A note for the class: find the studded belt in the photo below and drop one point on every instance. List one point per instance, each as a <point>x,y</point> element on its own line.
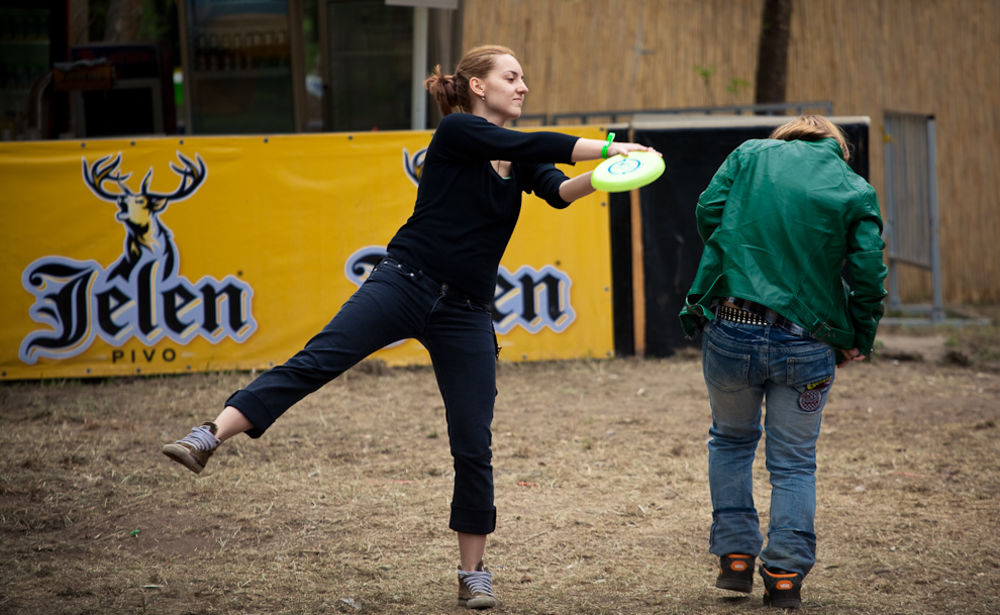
<point>750,313</point>
<point>741,316</point>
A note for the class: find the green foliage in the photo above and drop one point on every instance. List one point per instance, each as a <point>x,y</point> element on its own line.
<point>704,72</point>
<point>734,86</point>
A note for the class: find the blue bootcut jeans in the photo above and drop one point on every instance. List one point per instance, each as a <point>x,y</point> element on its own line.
<point>743,365</point>
<point>398,302</point>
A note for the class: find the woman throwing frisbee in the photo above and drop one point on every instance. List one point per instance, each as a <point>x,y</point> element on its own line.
<point>436,284</point>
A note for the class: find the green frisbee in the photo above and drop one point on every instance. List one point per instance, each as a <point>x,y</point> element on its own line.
<point>622,173</point>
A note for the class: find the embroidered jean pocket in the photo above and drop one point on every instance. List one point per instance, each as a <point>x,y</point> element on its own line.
<point>812,376</point>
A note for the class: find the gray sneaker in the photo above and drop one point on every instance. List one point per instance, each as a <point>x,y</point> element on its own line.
<point>193,450</point>
<point>475,588</point>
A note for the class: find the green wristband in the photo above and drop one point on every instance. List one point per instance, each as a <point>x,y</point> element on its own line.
<point>604,150</point>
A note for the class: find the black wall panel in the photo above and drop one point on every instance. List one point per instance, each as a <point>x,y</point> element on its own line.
<point>671,246</point>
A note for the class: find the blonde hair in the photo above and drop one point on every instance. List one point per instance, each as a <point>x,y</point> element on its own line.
<point>452,91</point>
<point>812,128</point>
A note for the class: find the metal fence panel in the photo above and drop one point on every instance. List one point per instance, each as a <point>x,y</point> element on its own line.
<point>911,201</point>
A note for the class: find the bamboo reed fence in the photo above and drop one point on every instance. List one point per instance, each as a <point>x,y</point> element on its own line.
<point>938,57</point>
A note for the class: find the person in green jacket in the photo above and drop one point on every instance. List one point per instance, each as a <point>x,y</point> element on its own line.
<point>789,287</point>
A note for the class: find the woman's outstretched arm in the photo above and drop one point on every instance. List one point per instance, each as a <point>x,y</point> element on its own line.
<point>591,149</point>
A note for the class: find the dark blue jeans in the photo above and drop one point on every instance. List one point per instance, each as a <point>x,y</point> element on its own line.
<point>397,302</point>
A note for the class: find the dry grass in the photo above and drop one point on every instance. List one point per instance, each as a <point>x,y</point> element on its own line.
<point>601,490</point>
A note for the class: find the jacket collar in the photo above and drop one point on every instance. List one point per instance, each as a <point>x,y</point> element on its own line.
<point>831,144</point>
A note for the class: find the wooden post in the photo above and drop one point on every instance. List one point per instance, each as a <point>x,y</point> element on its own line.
<point>638,278</point>
<point>638,272</point>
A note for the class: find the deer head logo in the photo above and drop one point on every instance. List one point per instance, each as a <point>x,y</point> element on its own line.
<point>145,236</point>
<point>413,165</point>
<point>141,296</point>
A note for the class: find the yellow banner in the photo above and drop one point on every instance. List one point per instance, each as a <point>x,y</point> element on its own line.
<point>166,255</point>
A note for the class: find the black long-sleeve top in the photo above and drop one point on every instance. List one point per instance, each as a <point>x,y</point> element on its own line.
<point>465,213</point>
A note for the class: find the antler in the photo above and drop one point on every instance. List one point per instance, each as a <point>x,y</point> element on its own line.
<point>192,174</point>
<point>101,171</point>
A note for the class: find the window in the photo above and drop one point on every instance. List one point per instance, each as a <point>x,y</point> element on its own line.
<point>370,50</point>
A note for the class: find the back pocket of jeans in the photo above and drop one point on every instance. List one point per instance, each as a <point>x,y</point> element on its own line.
<point>811,371</point>
<point>725,369</point>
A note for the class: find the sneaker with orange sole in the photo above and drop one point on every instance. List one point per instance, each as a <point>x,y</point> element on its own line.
<point>736,573</point>
<point>782,589</point>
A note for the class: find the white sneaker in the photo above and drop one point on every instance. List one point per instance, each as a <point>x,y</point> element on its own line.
<point>193,450</point>
<point>475,588</point>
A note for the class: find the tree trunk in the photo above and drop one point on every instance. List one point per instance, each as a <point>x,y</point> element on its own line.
<point>772,52</point>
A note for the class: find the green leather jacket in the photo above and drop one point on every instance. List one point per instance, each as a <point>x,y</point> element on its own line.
<point>780,220</point>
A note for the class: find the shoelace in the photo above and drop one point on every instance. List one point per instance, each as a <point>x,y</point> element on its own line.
<point>201,438</point>
<point>478,581</point>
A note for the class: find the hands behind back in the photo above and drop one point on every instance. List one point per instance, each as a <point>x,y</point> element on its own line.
<point>846,356</point>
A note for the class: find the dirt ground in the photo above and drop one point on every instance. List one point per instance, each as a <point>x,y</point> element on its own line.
<point>600,470</point>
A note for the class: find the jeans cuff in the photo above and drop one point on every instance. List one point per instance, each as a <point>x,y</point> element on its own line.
<point>473,521</point>
<point>253,409</point>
